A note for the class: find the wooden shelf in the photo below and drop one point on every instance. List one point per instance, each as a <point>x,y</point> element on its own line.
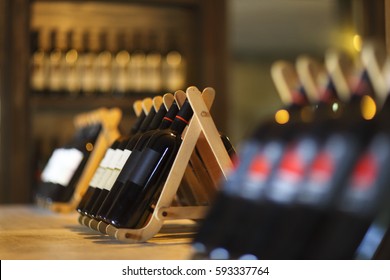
<point>32,233</point>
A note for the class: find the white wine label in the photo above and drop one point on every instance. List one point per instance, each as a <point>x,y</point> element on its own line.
<point>104,178</point>
<point>107,158</point>
<point>115,159</point>
<point>97,177</point>
<point>70,161</point>
<point>122,161</point>
<point>113,176</point>
<point>52,168</point>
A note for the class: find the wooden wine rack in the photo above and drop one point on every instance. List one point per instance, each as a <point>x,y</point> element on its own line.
<point>201,134</point>
<point>109,120</point>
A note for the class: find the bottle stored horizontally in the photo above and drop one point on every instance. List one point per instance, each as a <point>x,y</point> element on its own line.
<point>130,165</point>
<point>125,159</point>
<point>65,166</point>
<point>120,156</point>
<point>134,204</point>
<point>242,193</point>
<point>101,172</point>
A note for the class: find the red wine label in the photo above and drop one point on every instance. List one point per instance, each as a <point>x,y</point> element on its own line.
<point>329,165</point>
<point>366,181</point>
<point>365,172</point>
<point>234,183</point>
<point>260,170</point>
<point>323,167</point>
<point>292,170</point>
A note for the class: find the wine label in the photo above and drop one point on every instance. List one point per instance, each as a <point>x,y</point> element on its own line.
<point>106,178</point>
<point>330,166</point>
<point>122,161</point>
<point>150,162</point>
<point>107,158</point>
<point>52,168</point>
<point>233,184</point>
<point>129,166</point>
<point>369,178</point>
<point>284,186</point>
<point>69,165</point>
<point>97,177</point>
<point>260,170</point>
<point>110,180</point>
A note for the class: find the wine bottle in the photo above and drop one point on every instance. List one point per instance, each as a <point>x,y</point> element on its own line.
<point>131,163</point>
<point>129,149</point>
<point>87,65</point>
<point>108,167</point>
<point>120,66</point>
<point>121,151</point>
<point>97,177</point>
<point>174,65</point>
<point>153,61</point>
<point>100,173</point>
<point>103,66</point>
<point>134,204</point>
<point>70,64</point>
<point>137,77</point>
<point>39,64</point>
<point>55,82</point>
<point>260,154</point>
<point>65,166</point>
<point>361,199</point>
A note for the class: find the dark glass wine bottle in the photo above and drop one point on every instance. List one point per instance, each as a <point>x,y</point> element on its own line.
<point>122,150</point>
<point>110,196</point>
<point>134,204</point>
<point>129,149</point>
<point>97,177</point>
<point>244,187</point>
<point>357,132</point>
<point>101,172</point>
<point>62,172</point>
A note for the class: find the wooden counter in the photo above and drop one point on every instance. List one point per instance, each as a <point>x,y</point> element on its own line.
<point>28,232</point>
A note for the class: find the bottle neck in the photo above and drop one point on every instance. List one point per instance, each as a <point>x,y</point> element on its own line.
<point>169,117</point>
<point>138,123</point>
<point>148,120</point>
<point>182,118</point>
<point>162,111</point>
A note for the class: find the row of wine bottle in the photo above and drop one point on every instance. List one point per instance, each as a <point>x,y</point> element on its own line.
<point>313,182</point>
<point>72,63</point>
<point>130,177</point>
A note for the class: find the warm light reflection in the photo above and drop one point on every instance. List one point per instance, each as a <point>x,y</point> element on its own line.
<point>282,116</point>
<point>122,58</point>
<point>71,56</point>
<point>368,107</point>
<point>335,107</point>
<point>357,42</point>
<point>89,147</point>
<point>174,58</point>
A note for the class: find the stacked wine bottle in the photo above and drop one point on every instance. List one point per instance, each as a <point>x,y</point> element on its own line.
<point>312,181</point>
<point>128,183</point>
<point>69,166</point>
